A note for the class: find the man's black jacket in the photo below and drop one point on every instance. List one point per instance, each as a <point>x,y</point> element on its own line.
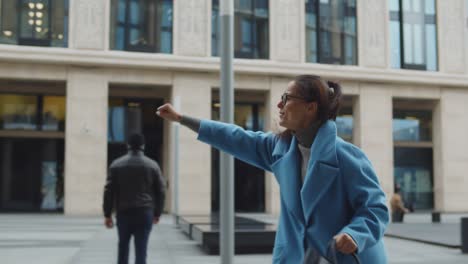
<point>134,180</point>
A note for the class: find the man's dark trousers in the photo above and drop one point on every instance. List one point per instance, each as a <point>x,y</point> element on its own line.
<point>137,222</point>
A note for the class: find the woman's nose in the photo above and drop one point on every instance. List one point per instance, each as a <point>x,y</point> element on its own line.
<point>280,104</point>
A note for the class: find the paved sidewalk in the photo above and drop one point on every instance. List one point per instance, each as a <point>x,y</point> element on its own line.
<point>58,239</point>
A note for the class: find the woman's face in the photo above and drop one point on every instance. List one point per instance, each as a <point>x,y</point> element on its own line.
<point>294,111</point>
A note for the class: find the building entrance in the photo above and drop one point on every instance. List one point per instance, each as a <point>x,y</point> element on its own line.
<point>32,136</point>
<point>31,172</point>
<point>249,189</point>
<point>134,115</point>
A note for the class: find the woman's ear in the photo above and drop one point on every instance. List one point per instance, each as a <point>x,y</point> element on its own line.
<point>312,107</point>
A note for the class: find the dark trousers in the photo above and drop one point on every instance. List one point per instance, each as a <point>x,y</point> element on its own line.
<point>136,222</point>
<point>397,216</point>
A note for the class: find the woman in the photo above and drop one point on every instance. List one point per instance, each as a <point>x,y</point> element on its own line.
<point>329,190</point>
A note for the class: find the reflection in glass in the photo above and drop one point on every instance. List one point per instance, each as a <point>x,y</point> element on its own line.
<point>18,112</point>
<point>251,29</point>
<point>49,185</point>
<point>344,124</point>
<point>53,113</point>
<point>412,23</point>
<point>249,180</point>
<point>34,23</point>
<point>415,126</point>
<point>142,25</point>
<point>413,172</point>
<point>37,186</point>
<point>331,31</point>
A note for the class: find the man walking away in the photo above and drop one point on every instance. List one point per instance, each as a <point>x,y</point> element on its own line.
<point>136,188</point>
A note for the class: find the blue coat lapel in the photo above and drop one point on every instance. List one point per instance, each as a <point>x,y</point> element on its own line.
<point>288,170</point>
<point>322,169</point>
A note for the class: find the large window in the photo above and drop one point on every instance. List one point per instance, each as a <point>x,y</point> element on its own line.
<point>413,151</point>
<point>345,120</point>
<point>331,31</point>
<point>34,22</point>
<point>249,113</point>
<point>412,126</point>
<point>413,34</point>
<point>251,34</point>
<point>32,112</point>
<point>128,115</point>
<point>142,25</point>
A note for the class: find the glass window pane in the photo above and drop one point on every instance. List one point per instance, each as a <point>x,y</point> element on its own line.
<point>413,172</point>
<point>8,22</point>
<point>246,29</point>
<point>418,44</point>
<point>59,24</point>
<point>135,12</point>
<point>35,19</point>
<point>394,5</point>
<point>417,6</point>
<point>407,5</point>
<point>408,43</point>
<point>121,11</point>
<point>261,8</point>
<point>166,42</point>
<point>53,113</point>
<point>215,28</point>
<point>18,112</point>
<point>116,121</point>
<point>251,33</point>
<point>344,124</point>
<point>336,25</point>
<point>429,6</point>
<point>412,125</point>
<point>419,35</point>
<point>165,30</point>
<point>142,25</point>
<point>395,44</point>
<point>431,48</point>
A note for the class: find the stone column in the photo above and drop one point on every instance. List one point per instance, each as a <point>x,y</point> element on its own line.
<point>452,47</point>
<point>194,92</point>
<point>192,27</point>
<point>89,24</point>
<point>372,20</point>
<point>287,30</point>
<point>450,151</point>
<point>373,131</point>
<point>85,141</point>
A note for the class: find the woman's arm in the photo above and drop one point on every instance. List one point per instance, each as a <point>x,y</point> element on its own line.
<point>366,197</point>
<point>255,148</point>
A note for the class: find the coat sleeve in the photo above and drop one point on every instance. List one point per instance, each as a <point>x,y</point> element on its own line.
<point>159,189</point>
<point>108,201</point>
<point>366,197</point>
<point>255,148</point>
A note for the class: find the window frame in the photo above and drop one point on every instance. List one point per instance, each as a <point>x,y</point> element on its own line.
<point>316,29</point>
<point>256,50</point>
<point>31,39</point>
<point>127,26</point>
<point>400,19</point>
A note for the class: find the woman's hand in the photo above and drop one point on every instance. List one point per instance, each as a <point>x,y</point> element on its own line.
<point>168,112</point>
<point>345,243</point>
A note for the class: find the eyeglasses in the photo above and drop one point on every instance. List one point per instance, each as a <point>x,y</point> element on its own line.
<point>285,97</point>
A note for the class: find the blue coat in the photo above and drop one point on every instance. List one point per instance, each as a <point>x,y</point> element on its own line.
<point>340,194</point>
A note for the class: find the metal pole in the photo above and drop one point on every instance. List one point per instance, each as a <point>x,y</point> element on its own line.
<point>226,173</point>
<point>175,183</point>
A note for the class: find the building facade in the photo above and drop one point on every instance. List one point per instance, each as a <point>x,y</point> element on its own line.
<point>77,76</point>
